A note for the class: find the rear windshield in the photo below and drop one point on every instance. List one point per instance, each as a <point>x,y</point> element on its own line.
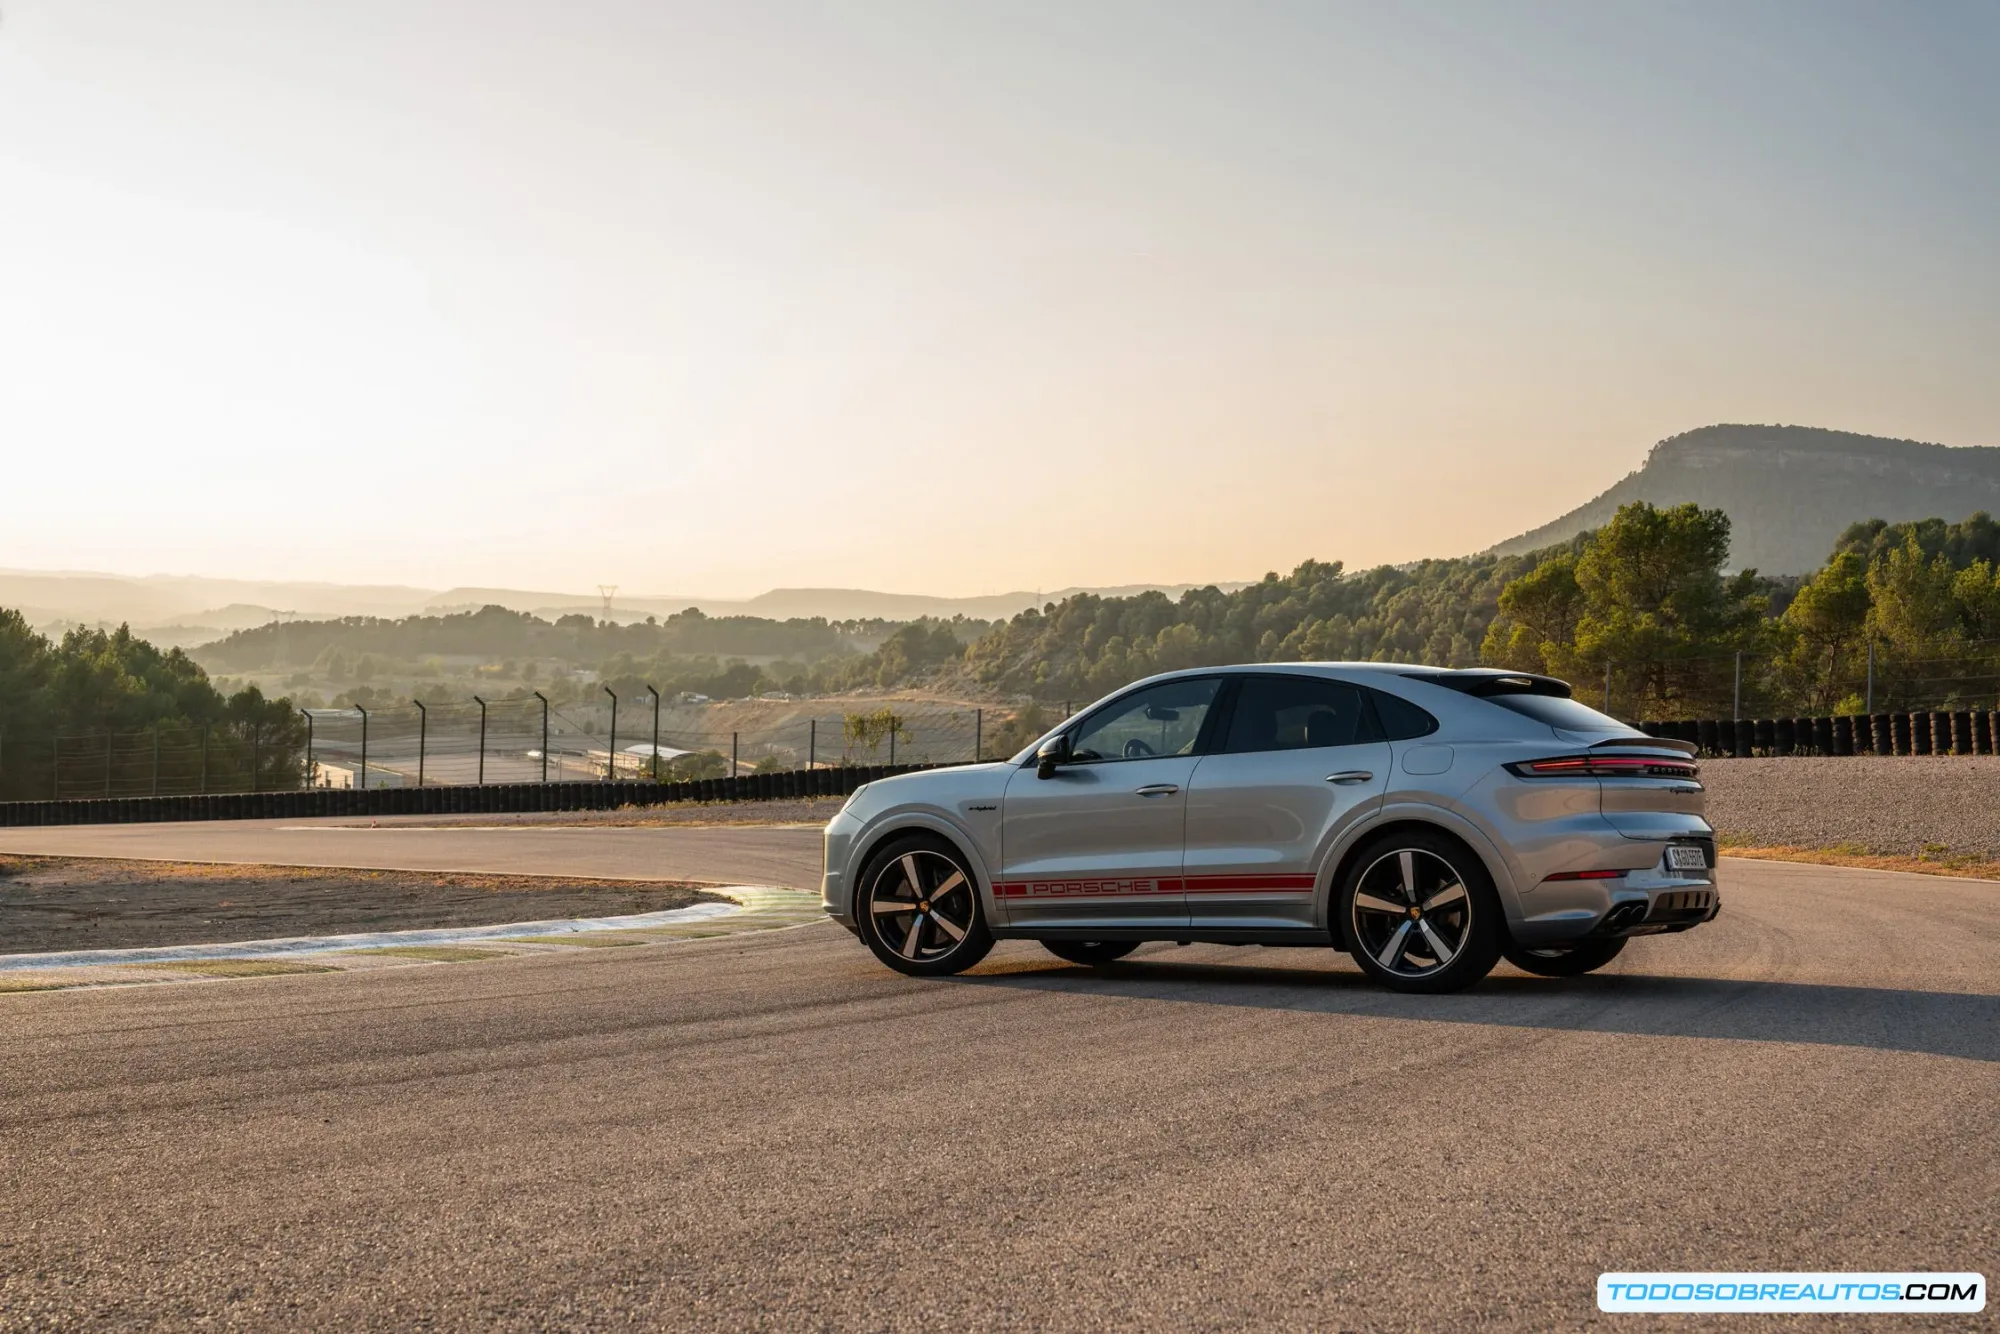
<point>1557,711</point>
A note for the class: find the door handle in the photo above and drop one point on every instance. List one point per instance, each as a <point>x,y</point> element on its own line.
<point>1158,790</point>
<point>1346,776</point>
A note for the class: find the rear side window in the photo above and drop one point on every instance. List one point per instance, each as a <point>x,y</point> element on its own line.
<point>1401,719</point>
<point>1557,711</point>
<point>1297,713</point>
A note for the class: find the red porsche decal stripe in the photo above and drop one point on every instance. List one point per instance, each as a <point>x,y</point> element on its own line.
<point>1113,887</point>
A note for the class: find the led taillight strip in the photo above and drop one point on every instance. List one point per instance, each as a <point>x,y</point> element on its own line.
<point>1603,766</point>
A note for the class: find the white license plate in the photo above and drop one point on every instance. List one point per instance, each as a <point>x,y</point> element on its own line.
<point>1683,858</point>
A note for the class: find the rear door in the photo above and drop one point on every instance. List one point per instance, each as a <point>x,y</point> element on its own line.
<point>1098,843</point>
<point>1301,760</point>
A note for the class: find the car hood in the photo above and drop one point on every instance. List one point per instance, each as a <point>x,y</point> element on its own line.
<point>948,789</point>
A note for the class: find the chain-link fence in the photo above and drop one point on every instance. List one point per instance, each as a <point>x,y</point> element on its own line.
<point>171,759</point>
<point>1856,678</point>
<point>527,741</point>
<point>505,741</point>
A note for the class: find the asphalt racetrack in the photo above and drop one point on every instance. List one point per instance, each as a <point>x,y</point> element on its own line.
<point>772,1131</point>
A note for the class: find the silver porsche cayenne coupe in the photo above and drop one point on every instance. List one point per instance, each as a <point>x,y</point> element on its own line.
<point>1429,821</point>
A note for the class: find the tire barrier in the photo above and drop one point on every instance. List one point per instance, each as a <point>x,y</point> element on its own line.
<point>1959,732</point>
<point>493,799</point>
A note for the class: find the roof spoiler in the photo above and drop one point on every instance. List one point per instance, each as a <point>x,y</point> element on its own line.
<point>1486,682</point>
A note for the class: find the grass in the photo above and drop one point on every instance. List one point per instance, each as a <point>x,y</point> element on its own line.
<point>25,984</point>
<point>239,967</point>
<point>1930,859</point>
<point>434,953</point>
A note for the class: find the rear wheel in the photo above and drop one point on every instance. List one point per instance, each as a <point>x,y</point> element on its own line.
<point>920,910</point>
<point>1420,913</point>
<point>1563,960</point>
<point>1090,953</point>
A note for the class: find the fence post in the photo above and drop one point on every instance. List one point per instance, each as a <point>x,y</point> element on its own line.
<point>978,728</point>
<point>310,765</point>
<point>892,737</point>
<point>812,743</point>
<point>611,743</point>
<point>482,737</point>
<point>204,759</point>
<point>1736,709</point>
<point>732,754</point>
<point>1607,686</point>
<point>55,767</point>
<point>107,764</point>
<point>656,730</point>
<point>545,732</point>
<point>156,757</point>
<point>364,746</point>
<point>423,737</point>
<point>1870,710</point>
<point>256,757</point>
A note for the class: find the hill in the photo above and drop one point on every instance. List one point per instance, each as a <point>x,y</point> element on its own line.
<point>1791,491</point>
<point>190,610</point>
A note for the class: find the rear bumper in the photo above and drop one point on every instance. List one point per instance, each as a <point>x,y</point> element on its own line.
<point>1654,901</point>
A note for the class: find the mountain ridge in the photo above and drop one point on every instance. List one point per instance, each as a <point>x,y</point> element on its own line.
<point>1790,490</point>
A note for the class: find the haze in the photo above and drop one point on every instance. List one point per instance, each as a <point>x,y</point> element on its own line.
<point>951,298</point>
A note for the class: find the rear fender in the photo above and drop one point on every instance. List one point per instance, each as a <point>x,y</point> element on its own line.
<point>1394,812</point>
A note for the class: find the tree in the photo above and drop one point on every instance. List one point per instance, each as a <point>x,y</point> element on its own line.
<point>1537,618</point>
<point>1658,608</point>
<point>96,683</point>
<point>1823,632</point>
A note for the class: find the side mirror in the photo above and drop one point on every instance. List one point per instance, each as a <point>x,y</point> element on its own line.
<point>1053,752</point>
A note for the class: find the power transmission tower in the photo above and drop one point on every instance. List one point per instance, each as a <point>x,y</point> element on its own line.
<point>608,591</point>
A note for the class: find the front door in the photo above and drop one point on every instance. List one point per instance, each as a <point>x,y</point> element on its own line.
<point>1098,843</point>
<point>1302,761</point>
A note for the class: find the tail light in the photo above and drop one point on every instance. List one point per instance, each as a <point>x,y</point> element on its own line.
<point>1604,766</point>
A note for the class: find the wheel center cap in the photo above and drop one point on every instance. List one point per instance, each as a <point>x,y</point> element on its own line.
<point>1416,913</point>
<point>923,905</point>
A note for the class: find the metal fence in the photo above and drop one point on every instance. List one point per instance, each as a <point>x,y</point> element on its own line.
<point>532,741</point>
<point>165,760</point>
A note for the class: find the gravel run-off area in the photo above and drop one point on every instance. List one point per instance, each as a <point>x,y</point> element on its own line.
<point>1886,804</point>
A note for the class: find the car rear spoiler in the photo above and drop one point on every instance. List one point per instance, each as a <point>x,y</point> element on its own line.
<point>1639,740</point>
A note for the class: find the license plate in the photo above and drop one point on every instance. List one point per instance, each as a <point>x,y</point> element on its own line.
<point>1683,858</point>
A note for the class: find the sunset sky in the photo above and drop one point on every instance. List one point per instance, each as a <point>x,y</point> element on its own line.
<point>951,298</point>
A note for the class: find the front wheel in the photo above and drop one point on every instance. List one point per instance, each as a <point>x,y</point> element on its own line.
<point>1090,953</point>
<point>919,909</point>
<point>1563,960</point>
<point>1420,913</point>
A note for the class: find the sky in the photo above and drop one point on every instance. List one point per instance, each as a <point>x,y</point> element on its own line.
<point>951,299</point>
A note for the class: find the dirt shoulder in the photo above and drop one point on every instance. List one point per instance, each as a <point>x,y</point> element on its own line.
<point>79,903</point>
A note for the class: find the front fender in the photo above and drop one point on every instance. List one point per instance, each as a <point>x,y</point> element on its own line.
<point>872,834</point>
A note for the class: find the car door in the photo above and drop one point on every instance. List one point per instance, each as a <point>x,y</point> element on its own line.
<point>1301,759</point>
<point>1098,842</point>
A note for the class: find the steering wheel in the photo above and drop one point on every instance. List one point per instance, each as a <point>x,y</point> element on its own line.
<point>1136,749</point>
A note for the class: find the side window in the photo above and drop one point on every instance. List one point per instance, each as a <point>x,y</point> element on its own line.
<point>1165,719</point>
<point>1297,713</point>
<point>1401,719</point>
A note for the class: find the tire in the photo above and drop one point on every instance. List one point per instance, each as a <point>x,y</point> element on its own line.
<point>1563,960</point>
<point>942,930</point>
<point>1419,913</point>
<point>1090,953</point>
